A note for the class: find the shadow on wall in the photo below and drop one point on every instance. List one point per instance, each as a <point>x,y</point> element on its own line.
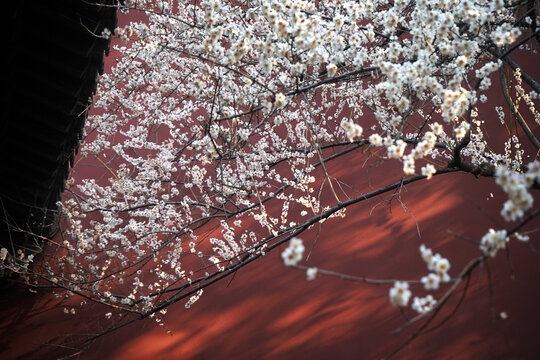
<point>269,311</point>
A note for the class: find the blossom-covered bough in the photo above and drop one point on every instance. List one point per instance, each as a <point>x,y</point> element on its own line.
<point>218,123</point>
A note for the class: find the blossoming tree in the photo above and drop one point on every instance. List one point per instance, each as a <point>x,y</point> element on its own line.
<point>217,124</point>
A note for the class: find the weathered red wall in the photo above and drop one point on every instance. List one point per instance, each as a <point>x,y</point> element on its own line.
<point>271,312</point>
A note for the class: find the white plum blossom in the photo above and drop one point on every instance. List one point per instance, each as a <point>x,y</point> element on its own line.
<point>435,263</point>
<point>516,186</point>
<point>408,165</point>
<point>376,140</point>
<point>522,237</point>
<point>426,254</point>
<point>431,281</point>
<point>293,253</point>
<point>442,265</point>
<point>423,305</point>
<point>437,128</point>
<point>290,258</point>
<point>352,130</point>
<point>3,254</point>
<point>493,241</point>
<point>400,294</point>
<point>297,245</point>
<point>428,171</point>
<point>396,150</point>
<point>311,273</point>
<point>106,33</point>
<point>462,130</point>
<point>280,100</point>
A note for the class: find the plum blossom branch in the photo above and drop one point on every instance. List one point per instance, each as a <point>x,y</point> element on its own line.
<point>221,129</point>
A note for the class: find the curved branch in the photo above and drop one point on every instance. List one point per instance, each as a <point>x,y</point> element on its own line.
<point>524,75</point>
<point>515,112</point>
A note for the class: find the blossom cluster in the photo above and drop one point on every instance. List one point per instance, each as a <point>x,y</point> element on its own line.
<point>516,186</point>
<point>215,126</point>
<point>424,305</point>
<point>493,241</point>
<point>15,263</point>
<point>351,130</point>
<point>437,264</point>
<point>400,292</point>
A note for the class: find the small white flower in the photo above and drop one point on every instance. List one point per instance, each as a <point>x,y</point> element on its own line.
<point>244,134</point>
<point>332,69</point>
<point>432,264</point>
<point>444,277</point>
<point>521,237</point>
<point>460,132</point>
<point>311,273</point>
<point>290,258</point>
<point>352,130</point>
<point>423,305</point>
<point>297,245</point>
<point>534,169</point>
<point>443,265</point>
<point>293,253</point>
<point>3,254</point>
<point>431,281</point>
<point>375,140</point>
<point>408,165</point>
<point>428,171</point>
<point>280,100</point>
<point>510,211</point>
<point>493,241</point>
<point>426,253</point>
<point>400,294</point>
<point>106,33</point>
